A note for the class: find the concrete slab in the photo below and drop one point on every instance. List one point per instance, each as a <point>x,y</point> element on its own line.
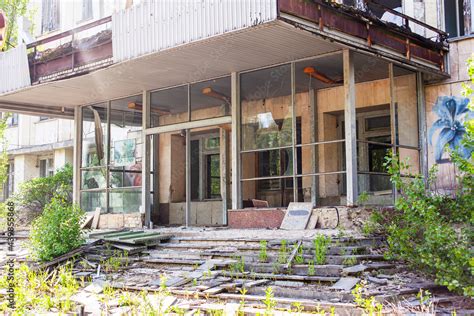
<point>297,216</point>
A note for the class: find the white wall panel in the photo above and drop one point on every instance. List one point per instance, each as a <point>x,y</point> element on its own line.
<point>14,70</point>
<point>156,25</point>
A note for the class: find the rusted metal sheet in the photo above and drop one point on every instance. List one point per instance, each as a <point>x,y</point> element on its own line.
<point>374,31</point>
<point>14,69</point>
<point>73,58</point>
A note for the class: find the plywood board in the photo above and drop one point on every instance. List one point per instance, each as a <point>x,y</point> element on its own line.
<point>297,216</point>
<point>95,220</point>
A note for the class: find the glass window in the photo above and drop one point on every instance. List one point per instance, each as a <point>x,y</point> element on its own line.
<point>169,106</point>
<point>266,108</point>
<point>46,167</point>
<point>50,16</point>
<point>94,130</point>
<point>267,131</point>
<point>205,166</point>
<point>125,143</point>
<point>111,176</point>
<point>210,99</point>
<point>90,200</point>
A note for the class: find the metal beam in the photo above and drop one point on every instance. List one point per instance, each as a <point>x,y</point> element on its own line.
<point>423,138</point>
<point>189,125</point>
<point>293,132</point>
<point>188,176</point>
<point>146,158</point>
<point>37,110</point>
<point>350,127</point>
<point>76,180</point>
<point>235,152</point>
<point>315,149</point>
<point>393,120</point>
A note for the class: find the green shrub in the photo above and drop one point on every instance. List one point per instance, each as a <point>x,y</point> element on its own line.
<point>57,230</point>
<point>36,193</point>
<point>321,245</point>
<point>432,232</point>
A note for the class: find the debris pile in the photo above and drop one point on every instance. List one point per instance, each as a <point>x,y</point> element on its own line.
<point>179,272</point>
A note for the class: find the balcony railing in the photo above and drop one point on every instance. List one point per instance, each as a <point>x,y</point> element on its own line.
<point>72,53</point>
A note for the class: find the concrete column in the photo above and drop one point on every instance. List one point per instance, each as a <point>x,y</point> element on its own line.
<point>350,128</point>
<point>25,169</point>
<point>235,152</point>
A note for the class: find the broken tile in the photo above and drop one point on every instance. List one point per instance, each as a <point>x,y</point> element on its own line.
<point>345,284</point>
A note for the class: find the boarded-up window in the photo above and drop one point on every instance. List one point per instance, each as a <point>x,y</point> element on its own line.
<point>50,16</point>
<point>86,10</point>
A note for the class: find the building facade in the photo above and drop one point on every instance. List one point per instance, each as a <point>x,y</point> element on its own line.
<point>37,147</point>
<point>188,111</point>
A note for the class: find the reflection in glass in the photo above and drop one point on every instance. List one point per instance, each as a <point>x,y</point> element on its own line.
<point>210,99</point>
<point>124,201</point>
<point>279,194</point>
<point>91,200</point>
<point>169,106</point>
<point>94,129</point>
<point>266,108</point>
<point>93,179</point>
<point>125,142</point>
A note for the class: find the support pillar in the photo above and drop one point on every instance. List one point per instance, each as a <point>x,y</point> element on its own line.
<point>76,180</point>
<point>350,128</point>
<point>235,152</point>
<point>422,132</point>
<point>146,158</point>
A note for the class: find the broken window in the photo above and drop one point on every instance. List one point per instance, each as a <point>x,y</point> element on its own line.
<point>453,17</point>
<point>50,16</point>
<point>111,163</point>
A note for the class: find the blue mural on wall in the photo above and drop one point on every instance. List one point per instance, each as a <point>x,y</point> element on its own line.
<point>452,113</point>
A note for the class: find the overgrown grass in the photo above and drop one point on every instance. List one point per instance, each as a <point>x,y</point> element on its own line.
<point>41,291</point>
<point>320,244</point>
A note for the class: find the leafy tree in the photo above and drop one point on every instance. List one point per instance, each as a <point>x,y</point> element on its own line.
<point>36,193</point>
<point>13,9</point>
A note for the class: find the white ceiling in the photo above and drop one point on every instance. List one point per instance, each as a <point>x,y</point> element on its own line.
<point>254,47</point>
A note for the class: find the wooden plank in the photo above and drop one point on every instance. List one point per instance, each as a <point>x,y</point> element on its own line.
<point>95,220</point>
<point>88,220</point>
<point>64,257</point>
<point>292,255</point>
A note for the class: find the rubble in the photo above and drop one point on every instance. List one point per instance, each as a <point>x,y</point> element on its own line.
<point>205,270</point>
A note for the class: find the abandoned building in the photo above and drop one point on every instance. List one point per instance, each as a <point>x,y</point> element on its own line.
<point>215,113</point>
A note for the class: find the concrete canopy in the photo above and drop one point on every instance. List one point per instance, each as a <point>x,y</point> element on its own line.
<point>259,46</point>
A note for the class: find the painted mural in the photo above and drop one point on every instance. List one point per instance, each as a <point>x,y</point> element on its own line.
<point>449,129</point>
